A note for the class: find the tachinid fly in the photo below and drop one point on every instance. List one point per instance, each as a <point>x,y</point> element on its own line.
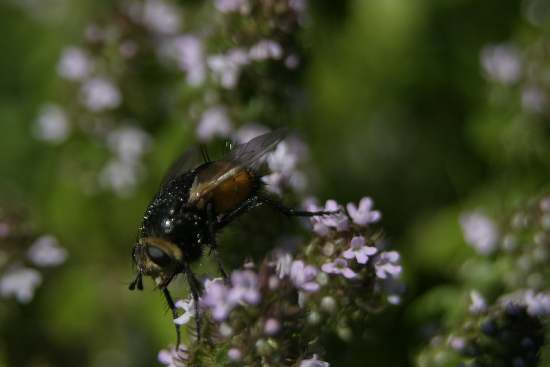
<point>194,202</point>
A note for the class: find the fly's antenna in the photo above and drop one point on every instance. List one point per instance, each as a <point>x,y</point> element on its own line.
<point>137,283</point>
<point>204,153</point>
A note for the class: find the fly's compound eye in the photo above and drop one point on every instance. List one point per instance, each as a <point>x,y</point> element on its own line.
<point>158,256</point>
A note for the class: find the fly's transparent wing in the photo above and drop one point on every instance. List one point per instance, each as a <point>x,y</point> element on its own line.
<point>234,164</point>
<point>247,154</point>
<point>188,160</point>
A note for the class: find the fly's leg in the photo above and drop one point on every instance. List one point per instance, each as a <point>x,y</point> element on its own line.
<point>172,306</point>
<point>212,240</point>
<point>249,203</point>
<point>195,287</point>
<point>291,212</point>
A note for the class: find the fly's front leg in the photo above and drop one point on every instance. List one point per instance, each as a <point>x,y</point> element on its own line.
<point>249,203</point>
<point>291,212</point>
<point>172,306</point>
<point>195,287</point>
<point>212,240</point>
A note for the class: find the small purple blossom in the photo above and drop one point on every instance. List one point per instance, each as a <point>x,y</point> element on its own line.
<point>20,282</point>
<point>322,224</point>
<point>52,124</point>
<point>314,362</point>
<point>387,265</point>
<point>363,214</point>
<point>479,231</point>
<point>359,251</point>
<point>303,276</point>
<point>272,326</point>
<point>226,68</point>
<point>161,17</point>
<point>74,64</point>
<point>129,143</point>
<point>266,49</point>
<point>478,304</point>
<point>245,287</point>
<point>339,266</point>
<point>283,264</point>
<point>99,94</point>
<point>215,298</point>
<point>188,51</point>
<point>172,358</point>
<point>188,308</point>
<point>46,251</point>
<point>502,63</point>
<point>214,122</point>
<point>227,6</point>
<point>538,304</point>
<point>248,132</point>
<point>234,354</point>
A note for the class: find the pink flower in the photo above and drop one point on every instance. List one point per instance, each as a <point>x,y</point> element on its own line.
<point>303,276</point>
<point>387,265</point>
<point>172,357</point>
<point>339,266</point>
<point>359,251</point>
<point>324,223</point>
<point>363,214</point>
<point>215,298</point>
<point>245,287</point>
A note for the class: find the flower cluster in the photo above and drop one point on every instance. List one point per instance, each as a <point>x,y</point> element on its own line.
<point>508,329</point>
<point>155,40</point>
<point>503,335</point>
<point>263,312</point>
<point>22,254</point>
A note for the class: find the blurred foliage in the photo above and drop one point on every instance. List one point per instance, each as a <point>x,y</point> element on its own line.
<point>396,105</point>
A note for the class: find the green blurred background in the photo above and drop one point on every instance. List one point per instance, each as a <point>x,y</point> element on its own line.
<point>398,107</point>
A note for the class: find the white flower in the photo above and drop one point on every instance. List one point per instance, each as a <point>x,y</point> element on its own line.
<point>314,362</point>
<point>129,142</point>
<point>51,124</point>
<point>303,276</point>
<point>120,176</point>
<point>227,68</point>
<point>74,64</point>
<point>188,52</point>
<point>478,304</point>
<point>20,282</point>
<point>363,214</point>
<point>538,304</point>
<point>188,308</point>
<point>283,265</point>
<point>479,231</point>
<point>359,251</point>
<point>226,6</point>
<point>265,49</point>
<point>533,99</point>
<point>502,63</point>
<point>249,131</point>
<point>161,17</point>
<point>387,265</point>
<point>100,94</point>
<point>45,251</point>
<point>172,358</point>
<point>214,122</point>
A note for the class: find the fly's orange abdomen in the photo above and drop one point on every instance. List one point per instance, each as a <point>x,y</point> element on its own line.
<point>224,184</point>
<point>233,191</point>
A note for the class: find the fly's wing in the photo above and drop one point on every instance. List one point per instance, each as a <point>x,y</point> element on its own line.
<point>188,160</point>
<point>249,153</point>
<point>242,156</point>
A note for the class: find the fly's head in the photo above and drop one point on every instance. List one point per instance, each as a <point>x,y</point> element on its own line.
<point>157,258</point>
